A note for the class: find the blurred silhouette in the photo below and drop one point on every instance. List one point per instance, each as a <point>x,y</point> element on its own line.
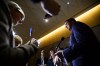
<point>43,60</point>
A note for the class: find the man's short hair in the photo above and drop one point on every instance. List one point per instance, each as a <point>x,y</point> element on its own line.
<point>43,51</point>
<point>71,19</point>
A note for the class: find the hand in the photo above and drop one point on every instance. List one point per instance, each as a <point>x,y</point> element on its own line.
<point>34,41</point>
<point>57,60</point>
<point>59,53</point>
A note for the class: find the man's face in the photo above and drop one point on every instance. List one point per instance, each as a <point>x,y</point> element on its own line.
<point>17,17</point>
<point>67,25</point>
<point>51,53</point>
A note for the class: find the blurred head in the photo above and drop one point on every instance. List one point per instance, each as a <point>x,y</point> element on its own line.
<point>69,22</point>
<point>51,7</point>
<point>18,40</point>
<point>52,54</point>
<point>17,13</point>
<point>43,54</point>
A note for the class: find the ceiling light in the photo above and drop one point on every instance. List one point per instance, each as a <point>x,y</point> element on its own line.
<point>46,20</point>
<point>68,3</point>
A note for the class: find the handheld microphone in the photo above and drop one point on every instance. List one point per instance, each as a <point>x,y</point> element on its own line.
<point>37,42</point>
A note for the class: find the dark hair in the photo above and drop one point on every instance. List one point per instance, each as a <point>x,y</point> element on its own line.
<point>36,1</point>
<point>43,51</point>
<point>70,20</point>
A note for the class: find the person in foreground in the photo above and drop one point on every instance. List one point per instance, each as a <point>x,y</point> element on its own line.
<point>84,49</point>
<point>10,16</point>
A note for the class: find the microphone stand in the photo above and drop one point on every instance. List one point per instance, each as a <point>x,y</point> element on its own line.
<point>58,46</point>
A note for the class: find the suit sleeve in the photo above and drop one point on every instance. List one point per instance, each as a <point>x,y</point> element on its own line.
<point>11,56</point>
<point>81,45</point>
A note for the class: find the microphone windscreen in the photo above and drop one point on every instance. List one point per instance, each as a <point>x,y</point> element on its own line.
<point>62,38</point>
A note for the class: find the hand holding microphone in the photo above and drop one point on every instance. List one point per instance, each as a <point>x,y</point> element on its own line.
<point>33,40</point>
<point>59,53</point>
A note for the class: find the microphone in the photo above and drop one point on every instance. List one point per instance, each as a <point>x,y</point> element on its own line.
<point>60,43</point>
<point>31,32</point>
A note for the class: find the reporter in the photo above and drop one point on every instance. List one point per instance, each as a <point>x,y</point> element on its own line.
<point>18,40</point>
<point>11,15</point>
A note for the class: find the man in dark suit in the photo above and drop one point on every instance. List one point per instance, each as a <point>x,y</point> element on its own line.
<point>84,46</point>
<point>43,60</point>
<point>10,56</point>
